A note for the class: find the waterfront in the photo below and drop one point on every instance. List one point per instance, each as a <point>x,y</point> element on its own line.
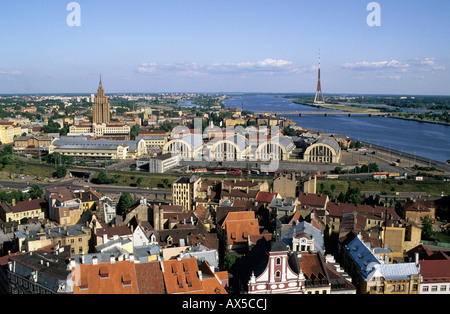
<point>417,138</point>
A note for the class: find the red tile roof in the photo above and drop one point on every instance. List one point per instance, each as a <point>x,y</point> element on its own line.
<point>311,266</point>
<point>29,205</point>
<point>337,209</point>
<point>149,278</point>
<point>181,277</point>
<point>315,200</point>
<point>239,225</point>
<point>105,278</point>
<point>265,197</point>
<point>435,270</point>
<point>112,231</point>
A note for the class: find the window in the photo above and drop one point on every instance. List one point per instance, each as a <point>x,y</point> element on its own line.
<point>278,274</point>
<point>433,288</point>
<point>278,261</point>
<point>425,289</point>
<point>443,288</point>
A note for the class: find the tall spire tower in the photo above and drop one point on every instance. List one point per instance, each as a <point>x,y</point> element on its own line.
<point>319,100</point>
<point>101,109</point>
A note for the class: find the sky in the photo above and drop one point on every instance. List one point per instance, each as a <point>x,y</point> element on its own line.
<point>209,46</point>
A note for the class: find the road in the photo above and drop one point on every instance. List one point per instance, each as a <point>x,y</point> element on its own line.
<point>77,184</point>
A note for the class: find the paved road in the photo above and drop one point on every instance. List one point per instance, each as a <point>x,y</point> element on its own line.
<point>77,184</point>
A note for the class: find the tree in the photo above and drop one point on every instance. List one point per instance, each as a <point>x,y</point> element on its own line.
<point>60,172</point>
<point>5,160</point>
<point>229,261</point>
<point>427,228</point>
<point>134,131</point>
<point>35,192</point>
<point>7,150</point>
<point>103,178</point>
<point>125,202</point>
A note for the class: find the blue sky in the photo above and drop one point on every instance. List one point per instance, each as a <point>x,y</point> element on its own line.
<point>225,46</point>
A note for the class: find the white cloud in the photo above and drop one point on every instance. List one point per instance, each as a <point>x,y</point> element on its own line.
<point>267,66</point>
<point>10,72</point>
<point>377,65</point>
<point>427,64</point>
<point>415,65</point>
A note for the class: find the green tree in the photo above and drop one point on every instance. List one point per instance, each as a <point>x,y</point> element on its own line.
<point>229,261</point>
<point>125,202</point>
<point>134,132</point>
<point>7,150</point>
<point>60,172</point>
<point>5,160</point>
<point>427,228</point>
<point>103,178</point>
<point>35,192</point>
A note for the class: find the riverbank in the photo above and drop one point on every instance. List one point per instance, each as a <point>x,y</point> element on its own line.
<point>374,109</point>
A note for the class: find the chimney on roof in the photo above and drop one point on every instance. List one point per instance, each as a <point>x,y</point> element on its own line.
<point>112,259</point>
<point>95,260</point>
<point>200,275</point>
<point>13,202</point>
<point>73,264</point>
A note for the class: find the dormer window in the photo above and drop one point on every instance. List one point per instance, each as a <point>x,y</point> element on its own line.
<point>104,274</point>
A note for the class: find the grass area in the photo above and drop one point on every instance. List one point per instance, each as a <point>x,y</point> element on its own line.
<point>386,187</point>
<point>441,237</point>
<point>14,170</point>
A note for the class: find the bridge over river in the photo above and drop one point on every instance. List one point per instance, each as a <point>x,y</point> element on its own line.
<point>327,113</point>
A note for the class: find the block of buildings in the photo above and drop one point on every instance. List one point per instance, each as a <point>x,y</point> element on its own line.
<point>81,148</point>
<point>63,206</point>
<point>16,211</point>
<point>37,272</point>
<point>184,191</point>
<point>77,237</point>
<point>8,131</point>
<point>371,275</point>
<point>158,164</point>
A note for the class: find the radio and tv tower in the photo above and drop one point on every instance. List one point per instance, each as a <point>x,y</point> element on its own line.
<point>319,100</point>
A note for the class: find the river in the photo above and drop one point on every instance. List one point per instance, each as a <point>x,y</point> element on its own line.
<point>418,138</point>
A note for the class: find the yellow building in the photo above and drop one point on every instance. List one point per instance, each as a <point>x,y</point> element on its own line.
<point>234,122</point>
<point>77,236</point>
<point>89,199</point>
<point>8,131</point>
<point>101,129</point>
<point>22,210</point>
<point>184,191</point>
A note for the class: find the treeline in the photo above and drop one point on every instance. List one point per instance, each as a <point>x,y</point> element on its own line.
<point>418,102</point>
<point>34,192</point>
